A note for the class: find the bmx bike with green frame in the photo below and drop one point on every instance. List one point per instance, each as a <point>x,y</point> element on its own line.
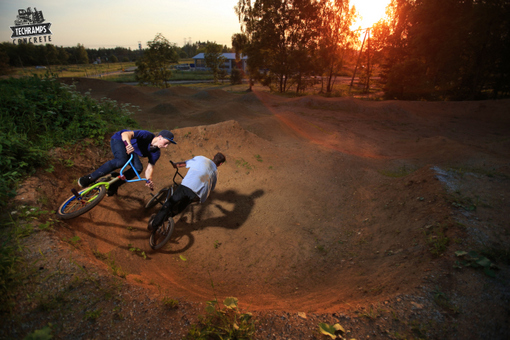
<point>84,200</point>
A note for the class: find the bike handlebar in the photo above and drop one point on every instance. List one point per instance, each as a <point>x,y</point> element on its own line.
<point>176,172</point>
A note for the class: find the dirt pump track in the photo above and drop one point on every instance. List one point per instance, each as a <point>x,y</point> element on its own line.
<point>306,216</point>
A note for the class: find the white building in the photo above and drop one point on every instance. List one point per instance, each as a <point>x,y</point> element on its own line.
<point>229,64</point>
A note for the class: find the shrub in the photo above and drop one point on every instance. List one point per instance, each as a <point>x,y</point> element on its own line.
<point>40,113</point>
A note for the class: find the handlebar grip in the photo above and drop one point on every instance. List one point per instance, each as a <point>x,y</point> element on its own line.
<point>148,181</point>
<point>125,143</point>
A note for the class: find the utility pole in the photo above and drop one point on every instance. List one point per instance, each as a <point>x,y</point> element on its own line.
<point>367,87</point>
<point>367,30</point>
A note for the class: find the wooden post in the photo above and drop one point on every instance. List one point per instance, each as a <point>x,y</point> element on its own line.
<point>357,63</point>
<point>367,87</point>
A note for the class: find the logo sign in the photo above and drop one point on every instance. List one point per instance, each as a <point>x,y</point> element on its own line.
<point>29,27</point>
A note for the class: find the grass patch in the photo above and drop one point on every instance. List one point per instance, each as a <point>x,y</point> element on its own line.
<point>223,323</point>
<point>437,240</point>
<point>39,114</point>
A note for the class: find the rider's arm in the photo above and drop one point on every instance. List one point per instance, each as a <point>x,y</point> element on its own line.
<point>148,175</point>
<point>126,137</point>
<point>179,165</point>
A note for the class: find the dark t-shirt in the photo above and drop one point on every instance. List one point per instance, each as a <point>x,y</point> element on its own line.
<point>142,144</point>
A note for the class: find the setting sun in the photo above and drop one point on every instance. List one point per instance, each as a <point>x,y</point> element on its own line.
<point>370,12</point>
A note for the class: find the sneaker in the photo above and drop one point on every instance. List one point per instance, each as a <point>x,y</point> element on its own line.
<point>84,181</point>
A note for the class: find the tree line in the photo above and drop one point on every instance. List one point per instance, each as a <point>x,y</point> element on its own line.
<point>26,55</point>
<point>426,49</point>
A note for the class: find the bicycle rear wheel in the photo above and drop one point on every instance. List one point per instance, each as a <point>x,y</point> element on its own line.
<point>161,235</point>
<point>73,207</point>
<point>158,198</point>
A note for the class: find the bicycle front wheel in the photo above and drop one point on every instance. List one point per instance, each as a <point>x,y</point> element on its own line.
<point>158,198</point>
<point>161,235</point>
<point>74,207</point>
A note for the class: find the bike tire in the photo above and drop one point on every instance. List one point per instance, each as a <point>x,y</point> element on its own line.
<point>73,207</point>
<point>161,235</point>
<point>158,198</point>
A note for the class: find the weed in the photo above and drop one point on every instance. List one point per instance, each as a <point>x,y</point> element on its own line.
<point>170,303</point>
<point>334,331</point>
<point>258,158</point>
<point>223,323</point>
<point>419,329</point>
<point>50,168</point>
<point>116,269</point>
<point>137,251</point>
<point>473,259</point>
<point>216,244</point>
<point>464,202</point>
<point>437,240</point>
<point>321,249</point>
<point>370,313</point>
<point>68,163</point>
<point>99,255</point>
<point>93,315</point>
<point>442,300</point>
<point>73,240</point>
<point>48,225</point>
<point>241,163</point>
<point>117,315</point>
<point>41,334</point>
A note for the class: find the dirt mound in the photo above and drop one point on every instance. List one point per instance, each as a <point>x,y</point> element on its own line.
<point>249,98</point>
<point>211,95</point>
<point>165,93</point>
<point>130,94</point>
<point>88,84</point>
<point>324,205</point>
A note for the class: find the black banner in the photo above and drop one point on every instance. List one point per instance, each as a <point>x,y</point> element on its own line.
<point>30,30</point>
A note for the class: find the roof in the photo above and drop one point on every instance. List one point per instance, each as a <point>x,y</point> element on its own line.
<point>229,56</point>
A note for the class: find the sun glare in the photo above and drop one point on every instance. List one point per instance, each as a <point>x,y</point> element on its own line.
<point>370,12</point>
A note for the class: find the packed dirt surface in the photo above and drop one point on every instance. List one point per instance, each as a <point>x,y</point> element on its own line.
<point>341,209</point>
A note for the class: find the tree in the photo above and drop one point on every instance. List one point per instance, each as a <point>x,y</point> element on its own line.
<point>280,32</point>
<point>454,49</point>
<point>154,66</point>
<point>335,37</point>
<point>81,55</point>
<point>4,62</point>
<point>214,59</point>
<point>240,42</point>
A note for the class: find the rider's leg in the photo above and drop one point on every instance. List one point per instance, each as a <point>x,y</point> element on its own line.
<point>120,158</point>
<point>181,198</point>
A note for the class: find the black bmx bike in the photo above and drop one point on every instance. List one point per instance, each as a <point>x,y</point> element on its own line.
<point>161,234</point>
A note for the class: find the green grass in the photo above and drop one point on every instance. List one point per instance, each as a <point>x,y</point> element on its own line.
<point>39,114</point>
<point>223,323</point>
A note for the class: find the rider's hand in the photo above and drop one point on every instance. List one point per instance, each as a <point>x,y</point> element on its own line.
<point>129,149</point>
<point>149,184</point>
